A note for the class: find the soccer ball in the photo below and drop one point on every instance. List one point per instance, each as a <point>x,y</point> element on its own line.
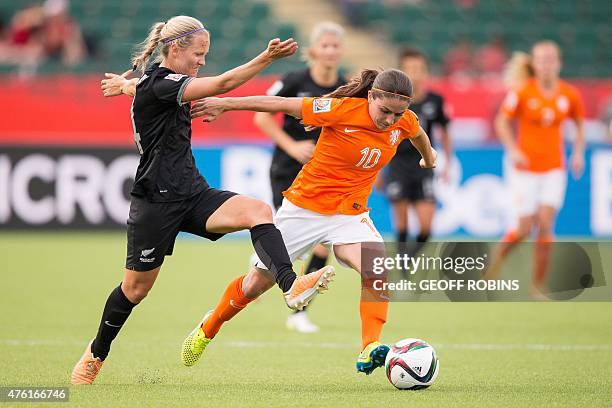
<point>411,364</point>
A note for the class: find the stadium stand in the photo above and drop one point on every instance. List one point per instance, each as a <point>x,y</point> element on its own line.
<point>115,26</point>
<point>581,28</point>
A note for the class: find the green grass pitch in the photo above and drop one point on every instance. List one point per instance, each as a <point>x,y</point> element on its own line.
<point>53,287</point>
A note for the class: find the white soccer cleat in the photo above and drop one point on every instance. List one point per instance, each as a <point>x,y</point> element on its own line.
<point>301,323</point>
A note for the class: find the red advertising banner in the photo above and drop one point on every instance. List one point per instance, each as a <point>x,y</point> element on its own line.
<point>72,110</point>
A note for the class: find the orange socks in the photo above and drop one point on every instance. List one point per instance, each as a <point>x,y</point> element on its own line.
<point>510,237</point>
<point>232,302</point>
<point>373,317</point>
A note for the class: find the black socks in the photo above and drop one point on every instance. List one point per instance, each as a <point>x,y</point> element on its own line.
<point>316,263</point>
<point>116,312</point>
<point>271,250</point>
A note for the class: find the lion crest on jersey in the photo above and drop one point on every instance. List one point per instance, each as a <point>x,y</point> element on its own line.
<point>394,136</point>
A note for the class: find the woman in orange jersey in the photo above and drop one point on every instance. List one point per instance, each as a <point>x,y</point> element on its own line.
<point>538,102</point>
<point>362,124</point>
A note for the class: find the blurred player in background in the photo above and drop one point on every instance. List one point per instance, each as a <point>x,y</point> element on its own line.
<point>362,124</point>
<point>293,144</point>
<point>539,102</point>
<point>406,183</point>
<point>169,193</point>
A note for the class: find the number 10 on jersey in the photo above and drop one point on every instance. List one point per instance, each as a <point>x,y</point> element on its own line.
<point>369,158</point>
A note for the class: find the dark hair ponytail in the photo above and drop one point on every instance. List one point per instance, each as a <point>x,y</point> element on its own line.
<point>357,87</point>
<point>391,81</point>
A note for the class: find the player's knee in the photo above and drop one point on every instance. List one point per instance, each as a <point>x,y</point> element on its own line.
<point>523,230</point>
<point>544,231</point>
<point>260,213</point>
<point>545,227</point>
<point>136,292</point>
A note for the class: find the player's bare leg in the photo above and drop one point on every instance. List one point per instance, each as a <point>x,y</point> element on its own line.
<point>425,211</point>
<point>543,246</point>
<point>507,244</point>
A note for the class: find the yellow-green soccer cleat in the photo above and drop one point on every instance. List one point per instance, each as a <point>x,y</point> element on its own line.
<point>372,357</point>
<point>195,343</point>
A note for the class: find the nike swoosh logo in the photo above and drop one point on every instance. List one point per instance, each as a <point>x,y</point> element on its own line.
<point>232,304</point>
<point>111,325</point>
<point>347,130</point>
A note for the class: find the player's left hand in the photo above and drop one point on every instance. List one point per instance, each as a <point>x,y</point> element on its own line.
<point>577,165</point>
<point>432,163</point>
<point>209,108</point>
<point>277,49</point>
<point>112,85</point>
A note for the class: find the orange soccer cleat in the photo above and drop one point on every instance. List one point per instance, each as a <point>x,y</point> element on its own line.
<point>87,368</point>
<point>306,287</point>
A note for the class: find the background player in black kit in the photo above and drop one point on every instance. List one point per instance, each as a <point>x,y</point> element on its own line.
<point>406,183</point>
<point>294,145</point>
<point>169,193</point>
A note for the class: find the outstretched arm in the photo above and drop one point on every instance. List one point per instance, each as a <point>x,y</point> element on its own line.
<point>211,108</point>
<point>423,145</point>
<point>211,86</point>
<point>115,85</point>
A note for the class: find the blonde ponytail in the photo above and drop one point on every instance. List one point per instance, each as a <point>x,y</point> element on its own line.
<point>147,47</point>
<point>178,30</point>
<point>518,70</point>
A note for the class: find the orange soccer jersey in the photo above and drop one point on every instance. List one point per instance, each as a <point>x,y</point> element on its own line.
<point>349,153</point>
<point>539,122</point>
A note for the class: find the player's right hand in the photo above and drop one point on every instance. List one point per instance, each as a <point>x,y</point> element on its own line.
<point>277,49</point>
<point>302,150</point>
<point>518,158</point>
<point>112,85</point>
<point>208,108</point>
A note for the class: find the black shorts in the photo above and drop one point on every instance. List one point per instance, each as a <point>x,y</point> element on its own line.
<point>153,227</point>
<point>280,184</point>
<point>410,189</point>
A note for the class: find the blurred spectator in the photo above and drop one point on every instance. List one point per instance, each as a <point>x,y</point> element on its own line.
<point>466,4</point>
<point>39,32</point>
<point>458,61</point>
<point>491,58</point>
<point>23,45</point>
<point>62,38</point>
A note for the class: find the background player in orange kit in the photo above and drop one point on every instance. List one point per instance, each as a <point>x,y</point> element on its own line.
<point>362,124</point>
<point>539,102</point>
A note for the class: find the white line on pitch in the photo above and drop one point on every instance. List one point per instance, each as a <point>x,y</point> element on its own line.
<point>329,345</point>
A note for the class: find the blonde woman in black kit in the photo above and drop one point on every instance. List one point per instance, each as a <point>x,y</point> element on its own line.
<point>170,195</point>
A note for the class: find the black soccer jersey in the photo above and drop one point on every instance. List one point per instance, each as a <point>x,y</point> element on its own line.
<point>162,131</point>
<point>296,84</point>
<point>430,111</point>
